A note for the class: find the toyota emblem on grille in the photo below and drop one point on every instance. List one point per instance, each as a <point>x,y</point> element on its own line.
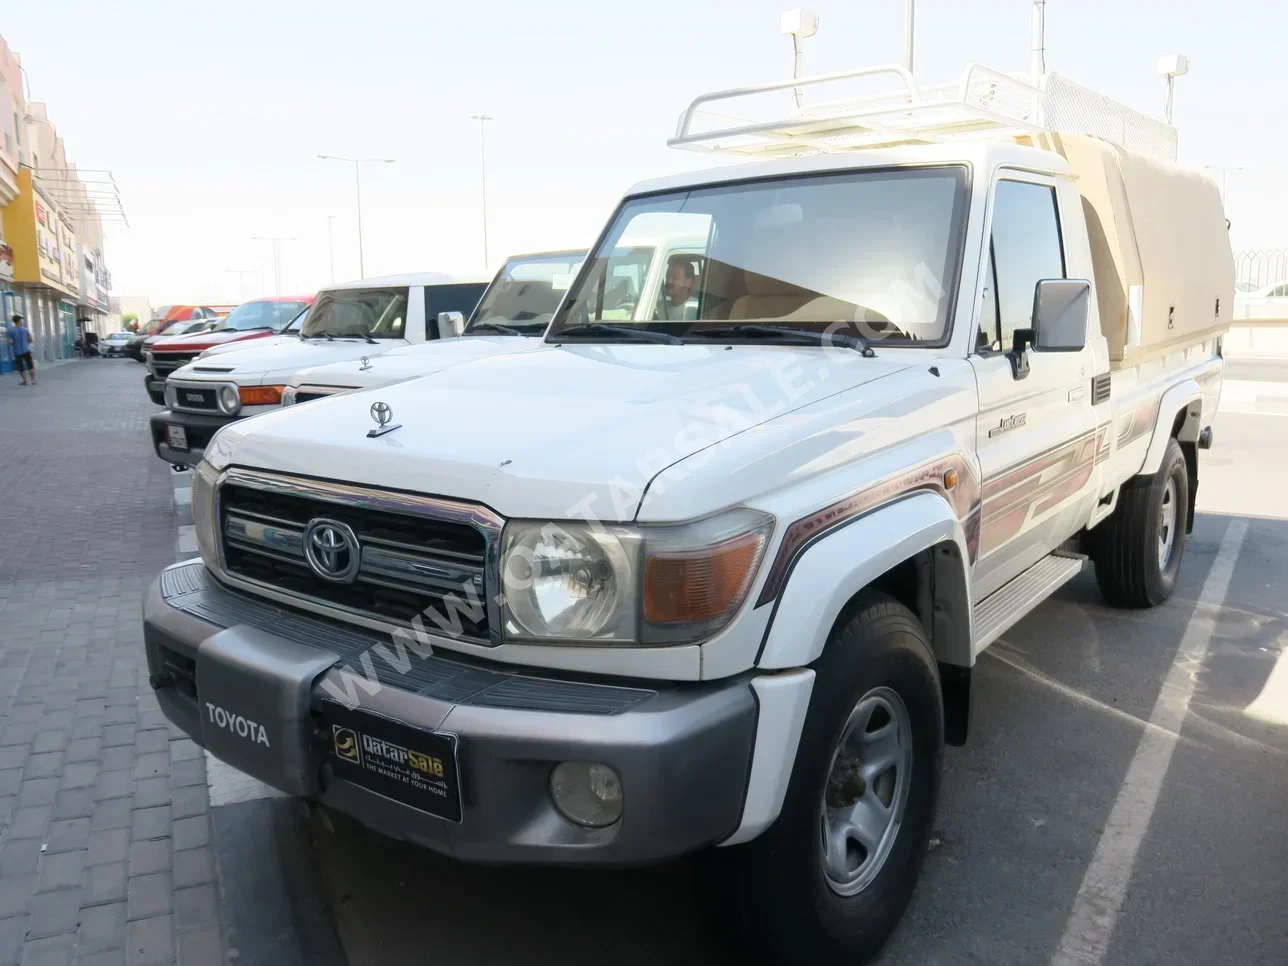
<point>332,551</point>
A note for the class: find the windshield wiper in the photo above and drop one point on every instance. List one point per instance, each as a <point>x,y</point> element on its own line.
<point>495,327</point>
<point>787,332</point>
<point>319,335</point>
<point>357,335</point>
<point>632,332</point>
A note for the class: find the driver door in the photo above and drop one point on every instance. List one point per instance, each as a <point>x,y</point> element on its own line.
<point>1036,432</point>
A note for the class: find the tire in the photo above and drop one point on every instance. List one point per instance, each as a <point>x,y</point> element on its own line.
<point>773,895</point>
<point>1130,565</point>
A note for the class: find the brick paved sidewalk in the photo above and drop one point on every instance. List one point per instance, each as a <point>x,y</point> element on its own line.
<point>105,852</point>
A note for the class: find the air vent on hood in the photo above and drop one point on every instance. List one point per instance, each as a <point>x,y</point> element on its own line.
<point>212,368</point>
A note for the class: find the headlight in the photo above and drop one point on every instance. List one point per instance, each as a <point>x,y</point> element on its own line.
<point>171,396</point>
<point>203,512</point>
<point>573,582</point>
<point>229,400</point>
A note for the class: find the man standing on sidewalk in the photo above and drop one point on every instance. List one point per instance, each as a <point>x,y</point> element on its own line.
<point>20,339</point>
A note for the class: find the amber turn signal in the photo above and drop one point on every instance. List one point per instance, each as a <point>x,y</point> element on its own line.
<point>261,395</point>
<point>950,479</point>
<point>699,585</point>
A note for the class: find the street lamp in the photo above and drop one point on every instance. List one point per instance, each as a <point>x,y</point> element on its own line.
<point>1171,66</point>
<point>330,244</point>
<point>357,183</point>
<point>1224,169</point>
<point>277,259</point>
<point>483,119</point>
<point>241,274</point>
<point>800,25</point>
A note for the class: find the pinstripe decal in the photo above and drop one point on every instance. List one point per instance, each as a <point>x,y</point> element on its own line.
<point>964,499</point>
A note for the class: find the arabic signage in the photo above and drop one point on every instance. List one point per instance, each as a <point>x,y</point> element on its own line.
<point>93,278</point>
<point>44,245</point>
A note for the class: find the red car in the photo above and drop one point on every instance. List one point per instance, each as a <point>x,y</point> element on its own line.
<point>256,319</point>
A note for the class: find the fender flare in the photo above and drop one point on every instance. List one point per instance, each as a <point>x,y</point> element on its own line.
<point>839,563</point>
<point>1180,398</point>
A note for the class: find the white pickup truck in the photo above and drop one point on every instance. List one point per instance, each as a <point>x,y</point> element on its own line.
<point>347,321</point>
<point>714,581</point>
<point>512,316</point>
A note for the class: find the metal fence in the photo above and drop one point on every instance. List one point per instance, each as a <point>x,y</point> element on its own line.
<point>1261,266</point>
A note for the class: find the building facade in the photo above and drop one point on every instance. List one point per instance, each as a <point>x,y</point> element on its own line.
<point>52,265</point>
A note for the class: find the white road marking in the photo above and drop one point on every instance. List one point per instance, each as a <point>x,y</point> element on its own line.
<point>1271,705</point>
<point>182,495</point>
<point>187,540</point>
<point>1104,886</point>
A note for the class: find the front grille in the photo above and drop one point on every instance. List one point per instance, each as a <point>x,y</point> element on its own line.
<point>164,363</point>
<point>410,564</point>
<point>201,398</point>
<point>308,395</point>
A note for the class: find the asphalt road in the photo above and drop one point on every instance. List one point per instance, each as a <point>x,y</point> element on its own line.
<point>1069,728</point>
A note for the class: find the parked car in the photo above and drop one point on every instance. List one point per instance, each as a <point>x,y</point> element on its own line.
<point>711,576</point>
<point>510,317</point>
<point>171,320</point>
<point>1267,302</point>
<point>257,319</point>
<point>349,321</point>
<point>114,344</point>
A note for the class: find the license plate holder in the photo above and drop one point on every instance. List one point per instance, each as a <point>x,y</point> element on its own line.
<point>176,436</point>
<point>413,767</point>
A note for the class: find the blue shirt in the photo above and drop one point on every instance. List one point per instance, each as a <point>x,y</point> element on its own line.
<point>20,336</point>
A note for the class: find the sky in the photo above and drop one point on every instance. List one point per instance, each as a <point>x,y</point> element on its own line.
<point>211,116</point>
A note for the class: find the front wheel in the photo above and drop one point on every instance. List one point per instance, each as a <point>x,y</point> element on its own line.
<point>829,881</point>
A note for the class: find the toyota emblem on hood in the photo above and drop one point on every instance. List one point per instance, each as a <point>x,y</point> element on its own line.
<point>383,414</point>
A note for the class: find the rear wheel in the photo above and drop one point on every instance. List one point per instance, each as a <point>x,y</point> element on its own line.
<point>828,882</point>
<point>1138,550</point>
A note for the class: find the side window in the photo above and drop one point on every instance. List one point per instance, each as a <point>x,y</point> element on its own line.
<point>456,297</point>
<point>1279,292</point>
<point>989,335</point>
<point>1026,249</point>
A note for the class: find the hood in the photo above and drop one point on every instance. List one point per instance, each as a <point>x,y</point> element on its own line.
<point>216,350</point>
<point>408,362</point>
<point>553,433</point>
<point>276,360</point>
<point>205,340</point>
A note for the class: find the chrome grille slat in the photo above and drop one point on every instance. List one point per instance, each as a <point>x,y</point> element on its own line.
<point>418,556</point>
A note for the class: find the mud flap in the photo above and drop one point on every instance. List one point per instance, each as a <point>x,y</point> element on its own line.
<point>254,691</point>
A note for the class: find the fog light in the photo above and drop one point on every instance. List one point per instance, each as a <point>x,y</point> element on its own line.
<point>586,793</point>
<point>229,399</point>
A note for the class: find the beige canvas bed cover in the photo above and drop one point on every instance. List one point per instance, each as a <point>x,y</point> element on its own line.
<point>1160,249</point>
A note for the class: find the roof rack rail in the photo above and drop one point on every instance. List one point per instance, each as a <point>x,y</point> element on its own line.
<point>983,104</point>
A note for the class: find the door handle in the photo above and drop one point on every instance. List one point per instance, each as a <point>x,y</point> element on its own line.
<point>1076,394</point>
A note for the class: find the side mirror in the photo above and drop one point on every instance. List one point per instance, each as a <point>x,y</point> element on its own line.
<point>450,324</point>
<point>1060,307</point>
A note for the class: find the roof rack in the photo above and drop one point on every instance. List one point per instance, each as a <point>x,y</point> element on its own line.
<point>984,104</point>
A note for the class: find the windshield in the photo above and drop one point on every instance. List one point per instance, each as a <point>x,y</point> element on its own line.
<point>877,251</point>
<point>526,292</point>
<point>377,313</point>
<point>262,315</point>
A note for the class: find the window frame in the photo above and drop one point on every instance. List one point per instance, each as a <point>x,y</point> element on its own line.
<point>1018,176</point>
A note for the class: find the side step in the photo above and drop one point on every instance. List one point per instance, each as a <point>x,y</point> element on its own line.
<point>995,614</point>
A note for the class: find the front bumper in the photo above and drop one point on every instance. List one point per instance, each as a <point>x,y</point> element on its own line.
<point>683,752</point>
<point>198,428</point>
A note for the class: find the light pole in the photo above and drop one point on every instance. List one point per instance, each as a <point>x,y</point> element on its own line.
<point>483,119</point>
<point>357,184</point>
<point>330,244</point>
<point>800,25</point>
<point>241,274</point>
<point>277,259</point>
<point>1171,67</point>
<point>1224,169</point>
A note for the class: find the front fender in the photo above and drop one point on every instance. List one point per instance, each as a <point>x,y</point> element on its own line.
<point>1185,397</point>
<point>835,567</point>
